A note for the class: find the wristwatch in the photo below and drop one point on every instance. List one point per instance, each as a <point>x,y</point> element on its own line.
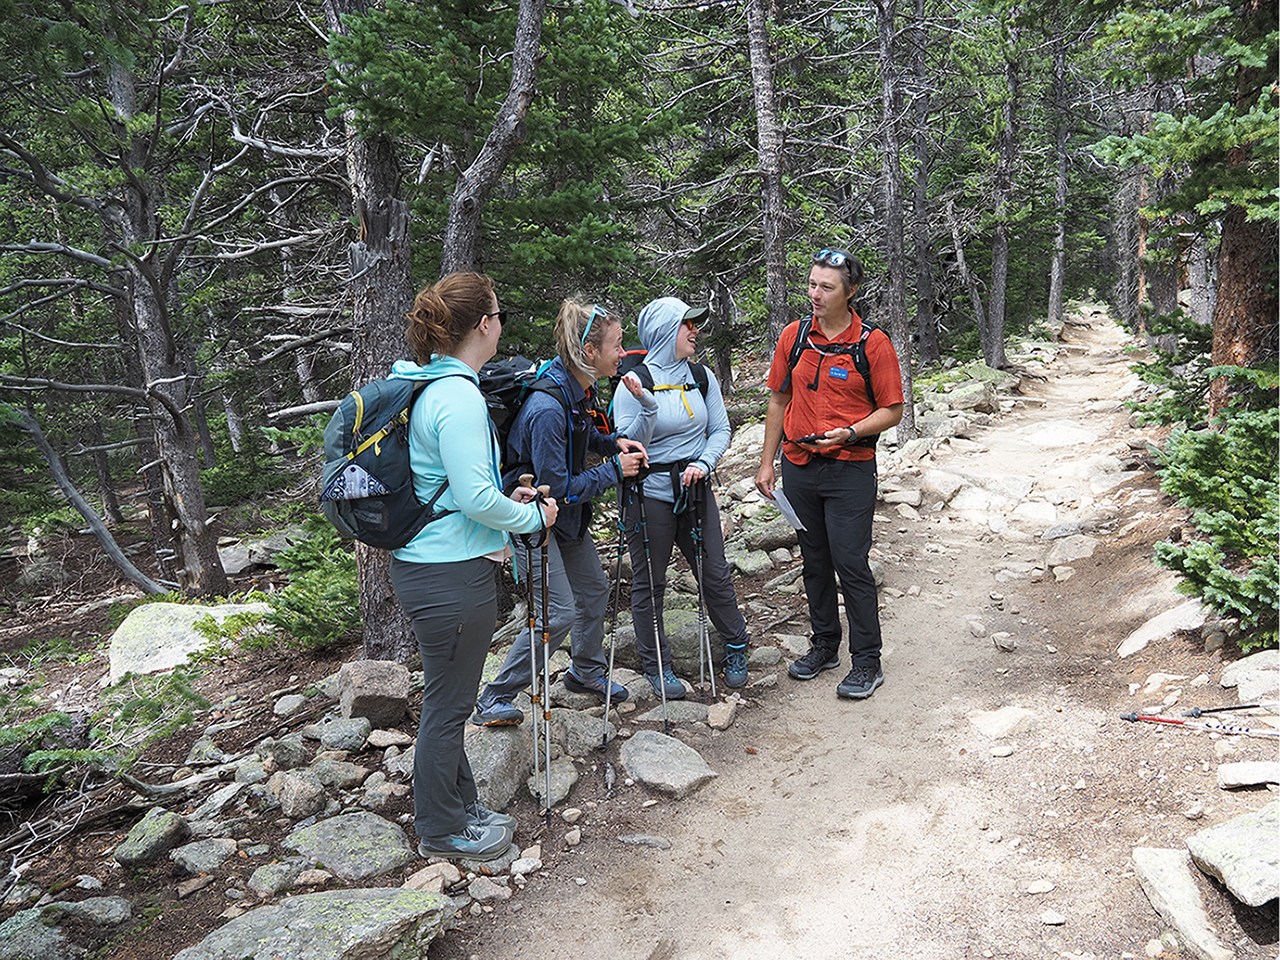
<point>853,434</point>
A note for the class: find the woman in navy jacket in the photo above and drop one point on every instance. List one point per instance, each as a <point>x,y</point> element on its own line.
<point>550,438</point>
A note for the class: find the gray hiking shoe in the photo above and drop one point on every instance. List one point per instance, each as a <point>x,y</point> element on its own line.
<point>473,843</point>
<point>497,715</point>
<point>860,683</point>
<point>675,689</point>
<point>813,663</point>
<point>481,816</point>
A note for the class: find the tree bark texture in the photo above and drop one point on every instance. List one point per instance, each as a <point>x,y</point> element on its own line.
<point>1244,319</point>
<point>895,299</point>
<point>967,279</point>
<point>135,225</point>
<point>921,242</point>
<point>769,147</point>
<point>992,332</point>
<point>462,230</point>
<point>381,288</point>
<point>1058,266</point>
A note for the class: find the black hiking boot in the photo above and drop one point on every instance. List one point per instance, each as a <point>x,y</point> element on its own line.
<point>813,663</point>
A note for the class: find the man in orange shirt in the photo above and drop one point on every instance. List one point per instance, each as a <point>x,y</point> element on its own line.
<point>834,404</point>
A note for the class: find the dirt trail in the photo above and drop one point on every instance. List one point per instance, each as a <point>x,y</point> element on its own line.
<point>887,828</point>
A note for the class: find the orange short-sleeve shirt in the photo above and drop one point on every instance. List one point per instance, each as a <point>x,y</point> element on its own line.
<point>839,397</point>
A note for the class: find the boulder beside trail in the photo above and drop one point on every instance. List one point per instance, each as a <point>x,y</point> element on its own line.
<point>333,925</point>
<point>665,764</point>
<point>161,636</point>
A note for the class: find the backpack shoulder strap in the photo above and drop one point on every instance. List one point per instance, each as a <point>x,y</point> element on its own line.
<point>860,361</point>
<point>702,377</point>
<point>801,341</point>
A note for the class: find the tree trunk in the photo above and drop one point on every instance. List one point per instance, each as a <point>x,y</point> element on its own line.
<point>462,230</point>
<point>967,279</point>
<point>769,146</point>
<point>921,243</point>
<point>99,529</point>
<point>1058,267</point>
<point>895,300</point>
<point>102,467</point>
<point>381,291</point>
<point>720,333</point>
<point>136,225</point>
<point>992,332</point>
<point>1244,319</point>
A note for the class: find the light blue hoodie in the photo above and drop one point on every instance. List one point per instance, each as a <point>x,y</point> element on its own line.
<point>673,424</point>
<point>449,418</point>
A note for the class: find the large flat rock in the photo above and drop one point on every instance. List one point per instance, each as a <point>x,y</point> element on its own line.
<point>333,925</point>
<point>1166,879</point>
<point>1243,854</point>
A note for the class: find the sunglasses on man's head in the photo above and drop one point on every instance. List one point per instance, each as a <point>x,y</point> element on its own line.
<point>832,258</point>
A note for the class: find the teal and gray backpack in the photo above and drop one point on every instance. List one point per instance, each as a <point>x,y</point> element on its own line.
<point>367,486</point>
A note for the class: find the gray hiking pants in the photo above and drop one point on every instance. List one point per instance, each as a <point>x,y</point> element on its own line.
<point>454,608</point>
<point>577,600</point>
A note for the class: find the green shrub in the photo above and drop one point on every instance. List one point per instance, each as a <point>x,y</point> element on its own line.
<point>1229,479</point>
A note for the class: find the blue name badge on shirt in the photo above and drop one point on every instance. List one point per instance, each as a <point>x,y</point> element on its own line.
<point>840,373</point>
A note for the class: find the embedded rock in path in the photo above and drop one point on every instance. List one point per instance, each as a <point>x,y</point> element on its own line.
<point>161,636</point>
<point>500,759</point>
<point>375,689</point>
<point>300,793</point>
<point>24,936</point>
<point>563,776</point>
<point>1003,722</point>
<point>1165,877</point>
<point>158,832</point>
<point>579,733</point>
<point>274,878</point>
<point>100,911</point>
<point>770,534</point>
<point>1069,549</point>
<point>1251,773</point>
<point>334,925</point>
<point>353,846</point>
<point>1256,677</point>
<point>665,763</point>
<point>749,563</point>
<point>204,856</point>
<point>1061,433</point>
<point>1243,854</point>
<point>939,486</point>
<point>1186,616</point>
<point>720,716</point>
<point>680,652</point>
<point>678,711</point>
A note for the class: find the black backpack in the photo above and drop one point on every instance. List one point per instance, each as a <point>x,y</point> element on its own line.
<point>367,486</point>
<point>856,351</point>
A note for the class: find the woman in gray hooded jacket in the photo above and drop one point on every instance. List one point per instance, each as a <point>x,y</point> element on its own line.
<point>685,430</point>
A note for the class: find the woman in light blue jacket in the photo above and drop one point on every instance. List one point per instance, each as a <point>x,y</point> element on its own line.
<point>681,419</point>
<point>446,576</point>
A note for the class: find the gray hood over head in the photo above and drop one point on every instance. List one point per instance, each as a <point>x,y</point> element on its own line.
<point>659,325</point>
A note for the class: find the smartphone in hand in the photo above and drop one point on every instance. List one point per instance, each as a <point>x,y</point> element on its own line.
<point>814,438</point>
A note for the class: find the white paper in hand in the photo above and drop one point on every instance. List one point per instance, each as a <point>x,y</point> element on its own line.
<point>784,507</point>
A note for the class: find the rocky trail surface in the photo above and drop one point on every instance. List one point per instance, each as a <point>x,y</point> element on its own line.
<point>987,801</point>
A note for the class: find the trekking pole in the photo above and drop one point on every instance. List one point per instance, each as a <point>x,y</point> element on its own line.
<point>543,492</point>
<point>704,637</point>
<point>613,624</point>
<point>1210,727</point>
<point>653,605</point>
<point>526,480</point>
<point>1197,711</point>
